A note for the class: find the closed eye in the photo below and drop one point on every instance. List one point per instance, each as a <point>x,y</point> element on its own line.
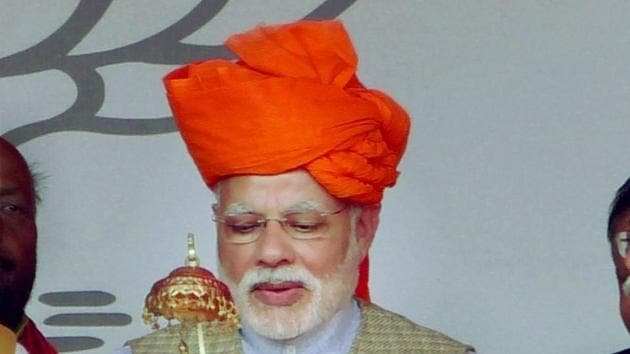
<point>623,247</point>
<point>622,243</point>
<point>10,208</point>
<point>306,227</point>
<point>243,228</point>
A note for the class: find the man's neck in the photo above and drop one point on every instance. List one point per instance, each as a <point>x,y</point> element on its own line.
<point>334,336</point>
<point>20,327</point>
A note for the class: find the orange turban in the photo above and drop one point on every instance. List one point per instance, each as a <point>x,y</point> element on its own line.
<point>292,100</point>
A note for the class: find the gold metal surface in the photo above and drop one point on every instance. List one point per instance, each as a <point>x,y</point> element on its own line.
<point>190,295</point>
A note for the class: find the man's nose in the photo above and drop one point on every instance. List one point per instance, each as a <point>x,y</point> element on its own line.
<point>274,246</point>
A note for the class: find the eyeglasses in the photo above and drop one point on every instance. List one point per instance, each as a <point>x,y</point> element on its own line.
<point>621,240</point>
<point>304,225</point>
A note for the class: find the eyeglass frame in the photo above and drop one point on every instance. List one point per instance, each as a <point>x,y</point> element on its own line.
<point>621,239</point>
<point>283,221</point>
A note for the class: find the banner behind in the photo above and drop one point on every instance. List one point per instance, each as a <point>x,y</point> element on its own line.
<point>495,233</point>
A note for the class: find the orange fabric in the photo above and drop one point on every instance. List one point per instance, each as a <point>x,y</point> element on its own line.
<point>292,100</point>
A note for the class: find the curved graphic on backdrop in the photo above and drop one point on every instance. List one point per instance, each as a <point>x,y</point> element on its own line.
<point>164,47</point>
<point>75,311</point>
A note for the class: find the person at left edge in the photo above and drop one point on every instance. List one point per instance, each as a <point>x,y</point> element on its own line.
<point>18,244</point>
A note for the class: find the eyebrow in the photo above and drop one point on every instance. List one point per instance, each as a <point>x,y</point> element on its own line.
<point>238,209</point>
<point>301,207</point>
<point>305,206</point>
<point>9,191</point>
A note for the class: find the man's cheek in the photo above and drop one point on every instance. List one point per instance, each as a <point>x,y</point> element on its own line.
<point>621,269</point>
<point>230,269</point>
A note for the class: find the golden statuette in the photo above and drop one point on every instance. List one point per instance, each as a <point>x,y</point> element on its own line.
<point>192,296</point>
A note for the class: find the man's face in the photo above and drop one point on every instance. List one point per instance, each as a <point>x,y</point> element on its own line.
<point>622,223</point>
<point>18,235</point>
<point>283,286</point>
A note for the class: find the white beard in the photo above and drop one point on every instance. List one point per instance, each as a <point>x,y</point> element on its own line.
<point>322,299</point>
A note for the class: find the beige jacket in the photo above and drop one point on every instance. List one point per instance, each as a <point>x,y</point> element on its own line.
<point>381,331</point>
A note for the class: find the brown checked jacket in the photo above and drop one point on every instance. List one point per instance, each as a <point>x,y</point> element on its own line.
<point>381,331</point>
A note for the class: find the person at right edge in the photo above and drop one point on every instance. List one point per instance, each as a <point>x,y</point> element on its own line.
<point>618,235</point>
<point>18,255</point>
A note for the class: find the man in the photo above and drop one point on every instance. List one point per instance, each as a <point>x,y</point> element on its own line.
<point>18,243</point>
<point>619,235</point>
<point>297,152</point>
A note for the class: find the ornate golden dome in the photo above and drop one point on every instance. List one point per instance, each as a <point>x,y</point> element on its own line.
<point>191,295</point>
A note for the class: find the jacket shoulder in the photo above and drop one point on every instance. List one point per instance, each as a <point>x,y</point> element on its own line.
<point>386,331</point>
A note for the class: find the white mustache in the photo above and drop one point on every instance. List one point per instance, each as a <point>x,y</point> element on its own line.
<point>256,276</point>
<point>625,287</point>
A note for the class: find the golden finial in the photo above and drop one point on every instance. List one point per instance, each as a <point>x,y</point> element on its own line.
<point>192,260</point>
<point>191,295</point>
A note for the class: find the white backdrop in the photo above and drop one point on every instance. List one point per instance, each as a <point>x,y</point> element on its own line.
<point>495,233</point>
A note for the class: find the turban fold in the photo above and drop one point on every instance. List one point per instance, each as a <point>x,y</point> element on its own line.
<point>291,100</point>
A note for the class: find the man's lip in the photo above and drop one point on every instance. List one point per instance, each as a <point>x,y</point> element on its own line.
<point>278,294</point>
<point>285,285</point>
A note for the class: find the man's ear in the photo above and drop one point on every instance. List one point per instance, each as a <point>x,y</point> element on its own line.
<point>367,223</point>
